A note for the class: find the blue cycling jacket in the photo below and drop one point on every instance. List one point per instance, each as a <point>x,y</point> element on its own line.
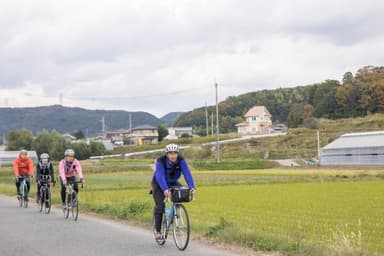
<point>163,176</point>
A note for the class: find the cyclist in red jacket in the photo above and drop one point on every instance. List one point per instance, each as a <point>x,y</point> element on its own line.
<point>23,168</point>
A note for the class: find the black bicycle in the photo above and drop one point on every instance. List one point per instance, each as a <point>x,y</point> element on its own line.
<point>71,203</point>
<point>175,218</point>
<point>44,200</point>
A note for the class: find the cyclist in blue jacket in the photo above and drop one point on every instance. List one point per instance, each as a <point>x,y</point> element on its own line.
<point>168,170</point>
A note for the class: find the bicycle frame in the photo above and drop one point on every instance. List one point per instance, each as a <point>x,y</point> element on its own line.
<point>175,217</point>
<point>71,200</point>
<point>23,189</point>
<point>45,195</point>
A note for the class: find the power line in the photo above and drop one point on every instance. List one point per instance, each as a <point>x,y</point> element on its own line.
<point>119,97</point>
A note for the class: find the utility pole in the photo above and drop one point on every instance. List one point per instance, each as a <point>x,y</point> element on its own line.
<point>86,136</point>
<point>217,128</point>
<point>130,122</point>
<point>206,118</point>
<point>103,126</point>
<point>318,144</point>
<point>212,123</point>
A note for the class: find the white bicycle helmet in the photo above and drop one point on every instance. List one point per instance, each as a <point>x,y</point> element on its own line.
<point>23,151</point>
<point>44,156</point>
<point>69,152</point>
<point>171,148</point>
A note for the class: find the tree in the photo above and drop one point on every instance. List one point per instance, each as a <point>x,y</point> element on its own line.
<point>20,139</point>
<point>163,132</point>
<point>322,96</point>
<point>348,97</point>
<point>78,134</point>
<point>308,110</point>
<point>43,142</point>
<point>295,116</point>
<point>82,150</point>
<point>58,145</point>
<point>347,78</point>
<point>97,148</point>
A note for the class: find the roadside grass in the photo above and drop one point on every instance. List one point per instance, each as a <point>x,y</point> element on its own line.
<point>292,210</point>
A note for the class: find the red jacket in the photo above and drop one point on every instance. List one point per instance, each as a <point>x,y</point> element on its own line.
<point>23,166</point>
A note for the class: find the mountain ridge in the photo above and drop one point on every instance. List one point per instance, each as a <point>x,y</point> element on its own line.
<point>67,119</point>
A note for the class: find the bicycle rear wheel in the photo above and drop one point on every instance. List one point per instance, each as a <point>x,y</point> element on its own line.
<point>181,228</point>
<point>163,231</point>
<point>75,207</point>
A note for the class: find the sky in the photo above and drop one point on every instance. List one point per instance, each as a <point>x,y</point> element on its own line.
<point>165,56</point>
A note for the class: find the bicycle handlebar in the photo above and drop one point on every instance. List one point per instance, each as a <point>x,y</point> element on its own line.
<point>192,192</point>
<point>72,182</point>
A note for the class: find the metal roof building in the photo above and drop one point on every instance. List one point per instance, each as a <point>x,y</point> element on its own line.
<point>366,148</point>
<point>7,157</point>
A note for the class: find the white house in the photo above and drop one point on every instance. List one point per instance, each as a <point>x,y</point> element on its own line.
<point>257,121</point>
<point>176,132</point>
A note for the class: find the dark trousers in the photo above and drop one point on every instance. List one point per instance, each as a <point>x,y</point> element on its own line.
<point>75,187</point>
<point>158,197</point>
<point>27,180</point>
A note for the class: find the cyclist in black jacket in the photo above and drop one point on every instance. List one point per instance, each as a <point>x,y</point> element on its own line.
<point>44,168</point>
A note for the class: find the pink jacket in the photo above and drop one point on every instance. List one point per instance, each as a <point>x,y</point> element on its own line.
<point>65,172</point>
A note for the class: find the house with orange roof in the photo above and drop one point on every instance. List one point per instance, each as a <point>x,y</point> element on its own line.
<point>257,121</point>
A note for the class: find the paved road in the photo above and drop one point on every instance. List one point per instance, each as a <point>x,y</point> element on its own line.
<point>28,232</point>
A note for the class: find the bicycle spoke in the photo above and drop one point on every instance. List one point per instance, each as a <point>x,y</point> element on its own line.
<point>181,228</point>
<point>75,207</point>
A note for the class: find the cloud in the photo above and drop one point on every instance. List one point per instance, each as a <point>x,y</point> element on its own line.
<point>162,56</point>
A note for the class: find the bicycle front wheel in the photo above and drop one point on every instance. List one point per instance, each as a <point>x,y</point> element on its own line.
<point>25,196</point>
<point>66,209</point>
<point>47,201</point>
<point>21,194</point>
<point>41,200</point>
<point>181,228</point>
<point>75,207</point>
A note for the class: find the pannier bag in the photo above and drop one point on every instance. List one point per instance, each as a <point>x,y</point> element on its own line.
<point>180,194</point>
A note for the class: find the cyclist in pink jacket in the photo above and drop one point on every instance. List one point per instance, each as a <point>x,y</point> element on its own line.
<point>68,168</point>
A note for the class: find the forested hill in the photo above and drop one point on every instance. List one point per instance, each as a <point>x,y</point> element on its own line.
<point>66,119</point>
<point>169,118</point>
<point>356,95</point>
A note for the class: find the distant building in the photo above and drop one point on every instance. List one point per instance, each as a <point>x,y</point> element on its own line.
<point>7,157</point>
<point>108,145</point>
<point>366,148</point>
<point>177,132</point>
<point>69,137</point>
<point>258,121</point>
<point>144,134</point>
<point>119,133</point>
